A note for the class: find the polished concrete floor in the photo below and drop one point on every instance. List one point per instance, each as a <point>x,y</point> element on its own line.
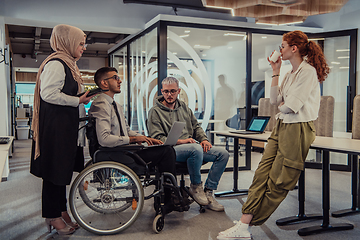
<point>20,209</point>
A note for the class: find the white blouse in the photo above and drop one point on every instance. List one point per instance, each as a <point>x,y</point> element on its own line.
<point>300,92</point>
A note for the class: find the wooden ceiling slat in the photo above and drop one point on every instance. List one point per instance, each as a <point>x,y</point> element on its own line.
<point>271,11</point>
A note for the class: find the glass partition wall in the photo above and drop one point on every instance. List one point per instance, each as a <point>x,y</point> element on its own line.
<point>137,65</point>
<point>223,72</point>
<point>119,61</point>
<point>210,65</point>
<point>143,75</point>
<point>339,84</point>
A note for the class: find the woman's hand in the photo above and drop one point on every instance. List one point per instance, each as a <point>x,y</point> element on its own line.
<point>84,98</point>
<point>275,65</point>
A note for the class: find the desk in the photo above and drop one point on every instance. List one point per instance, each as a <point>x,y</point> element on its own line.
<point>324,144</point>
<point>211,120</point>
<point>4,159</point>
<point>355,190</point>
<point>248,137</point>
<point>327,145</point>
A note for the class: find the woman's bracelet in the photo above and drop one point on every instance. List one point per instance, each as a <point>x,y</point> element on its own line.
<point>276,75</point>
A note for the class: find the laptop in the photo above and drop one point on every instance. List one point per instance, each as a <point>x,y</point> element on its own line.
<point>257,125</point>
<point>174,134</point>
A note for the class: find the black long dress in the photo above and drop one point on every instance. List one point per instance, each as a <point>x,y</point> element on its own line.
<point>58,134</point>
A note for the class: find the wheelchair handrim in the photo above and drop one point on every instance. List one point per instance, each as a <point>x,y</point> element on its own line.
<point>97,166</point>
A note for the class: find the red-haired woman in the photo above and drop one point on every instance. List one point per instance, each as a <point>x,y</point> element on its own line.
<point>298,99</point>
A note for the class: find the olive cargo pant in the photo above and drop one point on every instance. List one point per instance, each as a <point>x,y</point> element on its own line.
<point>279,168</point>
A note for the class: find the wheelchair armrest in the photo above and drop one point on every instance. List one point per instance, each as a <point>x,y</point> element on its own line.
<point>130,147</point>
<point>129,150</point>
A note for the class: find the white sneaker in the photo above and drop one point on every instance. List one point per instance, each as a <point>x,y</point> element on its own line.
<point>239,231</point>
<point>198,194</point>
<point>213,205</point>
<point>229,229</point>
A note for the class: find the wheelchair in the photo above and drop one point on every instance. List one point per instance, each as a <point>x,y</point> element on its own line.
<point>107,197</point>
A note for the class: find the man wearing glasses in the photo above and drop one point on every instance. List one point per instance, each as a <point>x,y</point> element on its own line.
<point>112,129</point>
<point>192,147</point>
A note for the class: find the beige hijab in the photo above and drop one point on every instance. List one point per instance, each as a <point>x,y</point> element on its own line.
<point>64,41</point>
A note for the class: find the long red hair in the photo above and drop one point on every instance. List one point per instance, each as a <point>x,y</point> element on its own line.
<point>314,54</point>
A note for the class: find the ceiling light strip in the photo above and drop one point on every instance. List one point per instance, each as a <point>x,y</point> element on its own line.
<point>234,34</point>
<point>316,39</point>
<point>226,8</point>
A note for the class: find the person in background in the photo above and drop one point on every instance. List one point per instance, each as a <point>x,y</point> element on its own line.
<point>57,145</point>
<point>192,147</point>
<point>298,99</point>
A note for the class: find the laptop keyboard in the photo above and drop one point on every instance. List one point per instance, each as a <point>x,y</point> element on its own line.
<point>4,140</point>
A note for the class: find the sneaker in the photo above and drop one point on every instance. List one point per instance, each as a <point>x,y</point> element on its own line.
<point>198,194</point>
<point>239,231</point>
<point>213,205</point>
<point>229,229</point>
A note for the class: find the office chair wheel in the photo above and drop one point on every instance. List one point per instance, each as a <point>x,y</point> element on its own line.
<point>158,223</point>
<point>106,198</point>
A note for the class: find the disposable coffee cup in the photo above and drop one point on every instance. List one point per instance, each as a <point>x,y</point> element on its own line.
<point>275,56</point>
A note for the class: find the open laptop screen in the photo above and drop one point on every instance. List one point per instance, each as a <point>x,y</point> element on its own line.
<point>258,124</point>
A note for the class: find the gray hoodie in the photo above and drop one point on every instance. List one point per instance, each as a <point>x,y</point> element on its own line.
<point>161,118</point>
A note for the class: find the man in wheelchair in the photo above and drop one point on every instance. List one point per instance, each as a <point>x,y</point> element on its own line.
<point>112,131</point>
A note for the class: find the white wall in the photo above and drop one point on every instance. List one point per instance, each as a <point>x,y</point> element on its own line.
<point>4,86</point>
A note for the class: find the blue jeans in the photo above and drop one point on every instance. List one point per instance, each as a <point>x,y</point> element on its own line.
<point>194,155</point>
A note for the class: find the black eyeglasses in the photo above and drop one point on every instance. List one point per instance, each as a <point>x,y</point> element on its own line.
<point>172,91</point>
<point>115,77</point>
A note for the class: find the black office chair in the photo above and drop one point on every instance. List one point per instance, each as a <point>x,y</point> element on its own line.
<point>182,170</point>
<point>107,197</point>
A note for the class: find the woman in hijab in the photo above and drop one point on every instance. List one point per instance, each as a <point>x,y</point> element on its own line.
<point>57,145</point>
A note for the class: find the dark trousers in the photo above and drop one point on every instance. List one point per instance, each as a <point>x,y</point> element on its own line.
<point>163,157</point>
<point>53,200</point>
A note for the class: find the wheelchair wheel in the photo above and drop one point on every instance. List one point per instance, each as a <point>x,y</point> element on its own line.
<point>106,198</point>
<point>158,223</point>
<point>89,163</point>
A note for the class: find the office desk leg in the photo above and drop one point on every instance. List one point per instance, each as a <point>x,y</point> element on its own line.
<point>325,226</point>
<point>354,190</point>
<point>235,191</point>
<point>301,216</point>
